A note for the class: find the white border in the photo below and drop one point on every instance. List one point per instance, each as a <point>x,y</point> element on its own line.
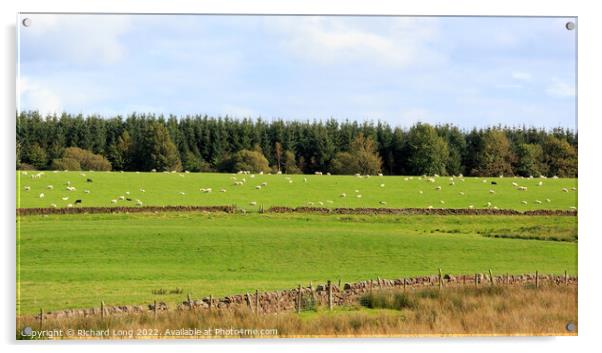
<point>589,168</point>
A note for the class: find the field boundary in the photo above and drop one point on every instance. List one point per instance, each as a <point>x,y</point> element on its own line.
<point>315,210</point>
<point>328,294</point>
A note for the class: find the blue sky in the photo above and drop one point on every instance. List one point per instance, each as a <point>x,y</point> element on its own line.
<point>466,71</point>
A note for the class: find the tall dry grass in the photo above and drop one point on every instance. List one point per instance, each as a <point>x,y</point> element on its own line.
<point>485,310</point>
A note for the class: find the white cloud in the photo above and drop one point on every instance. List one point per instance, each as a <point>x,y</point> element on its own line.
<point>34,94</point>
<point>560,89</point>
<point>521,76</point>
<point>80,39</point>
<point>331,40</point>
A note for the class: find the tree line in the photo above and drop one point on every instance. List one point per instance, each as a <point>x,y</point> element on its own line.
<point>201,143</point>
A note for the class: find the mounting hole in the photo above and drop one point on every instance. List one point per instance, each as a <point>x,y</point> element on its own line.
<point>570,25</point>
<point>26,22</point>
<point>571,327</point>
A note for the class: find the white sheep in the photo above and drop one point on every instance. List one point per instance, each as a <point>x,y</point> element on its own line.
<point>420,192</point>
<point>142,190</point>
<point>442,202</point>
<point>382,185</point>
<point>540,183</point>
<point>343,195</point>
<point>27,188</point>
<point>113,201</point>
<point>50,187</point>
<point>53,205</point>
<point>253,203</point>
<point>491,191</point>
<point>222,190</point>
<point>383,202</point>
<point>181,193</point>
<point>471,206</point>
<point>538,202</point>
<point>359,196</point>
<point>42,195</point>
<point>69,205</point>
<point>86,191</point>
<point>258,187</point>
<point>548,200</point>
<point>515,184</point>
<point>380,174</point>
<point>65,198</point>
<point>438,188</point>
<point>138,203</point>
<point>121,198</point>
<point>524,202</point>
<point>461,193</point>
<point>565,190</point>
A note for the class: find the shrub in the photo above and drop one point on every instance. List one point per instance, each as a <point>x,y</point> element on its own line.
<point>86,159</point>
<point>65,164</point>
<point>246,160</point>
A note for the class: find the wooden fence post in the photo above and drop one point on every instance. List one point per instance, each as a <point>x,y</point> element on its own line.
<point>41,318</point>
<point>190,301</point>
<point>155,310</point>
<point>566,278</point>
<point>440,280</point>
<point>464,280</point>
<point>491,281</point>
<point>329,295</point>
<point>277,302</point>
<point>257,301</point>
<point>404,284</point>
<point>249,303</point>
<point>536,279</point>
<point>476,279</point>
<point>210,302</point>
<point>339,283</point>
<point>299,299</point>
<point>102,309</point>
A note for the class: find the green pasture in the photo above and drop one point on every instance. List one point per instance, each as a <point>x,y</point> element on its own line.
<point>67,261</point>
<point>163,189</point>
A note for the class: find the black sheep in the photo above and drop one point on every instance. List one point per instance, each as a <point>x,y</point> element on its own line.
<point>78,201</point>
<point>494,183</point>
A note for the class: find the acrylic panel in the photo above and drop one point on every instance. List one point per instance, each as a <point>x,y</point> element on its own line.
<point>269,176</point>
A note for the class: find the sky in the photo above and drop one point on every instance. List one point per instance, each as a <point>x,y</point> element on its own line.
<point>466,71</point>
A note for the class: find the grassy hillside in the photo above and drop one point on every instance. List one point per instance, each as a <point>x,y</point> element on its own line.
<point>77,260</point>
<point>162,189</point>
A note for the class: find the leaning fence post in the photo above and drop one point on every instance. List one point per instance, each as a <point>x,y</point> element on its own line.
<point>190,301</point>
<point>249,303</point>
<point>536,279</point>
<point>440,280</point>
<point>299,299</point>
<point>491,281</point>
<point>155,310</point>
<point>329,295</point>
<point>256,301</point>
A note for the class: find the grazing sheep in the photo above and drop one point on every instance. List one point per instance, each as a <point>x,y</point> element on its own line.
<point>461,193</point>
<point>121,198</point>
<point>142,190</point>
<point>356,191</point>
<point>430,206</point>
<point>258,187</point>
<point>182,193</point>
<point>343,195</point>
<point>310,203</point>
<point>290,181</point>
<point>574,188</point>
<point>420,192</point>
<point>380,174</point>
<point>452,183</point>
<point>359,196</point>
<point>495,208</point>
<point>514,184</point>
<point>65,198</point>
<point>127,192</point>
<point>252,203</point>
<point>329,201</point>
<point>27,188</point>
<point>442,202</point>
<point>320,203</point>
<point>265,183</point>
<point>50,187</point>
<point>153,170</point>
<point>405,179</point>
<point>488,204</point>
<point>138,203</point>
<point>42,195</point>
<point>573,208</point>
<point>548,200</point>
<point>491,191</point>
<point>540,183</point>
<point>318,173</point>
<point>524,202</point>
<point>484,181</point>
<point>53,205</point>
<point>565,190</point>
<point>383,202</point>
<point>494,183</point>
<point>222,190</point>
<point>382,185</point>
<point>78,201</point>
<point>538,202</point>
<point>305,180</point>
<point>522,188</point>
<point>69,205</point>
<point>438,188</point>
<point>88,180</point>
<point>113,201</point>
<point>128,199</point>
<point>471,206</point>
<point>555,177</point>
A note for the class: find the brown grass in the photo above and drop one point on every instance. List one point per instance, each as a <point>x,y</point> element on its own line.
<point>485,310</point>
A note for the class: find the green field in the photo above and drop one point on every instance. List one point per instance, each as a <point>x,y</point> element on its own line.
<point>162,189</point>
<point>78,260</point>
